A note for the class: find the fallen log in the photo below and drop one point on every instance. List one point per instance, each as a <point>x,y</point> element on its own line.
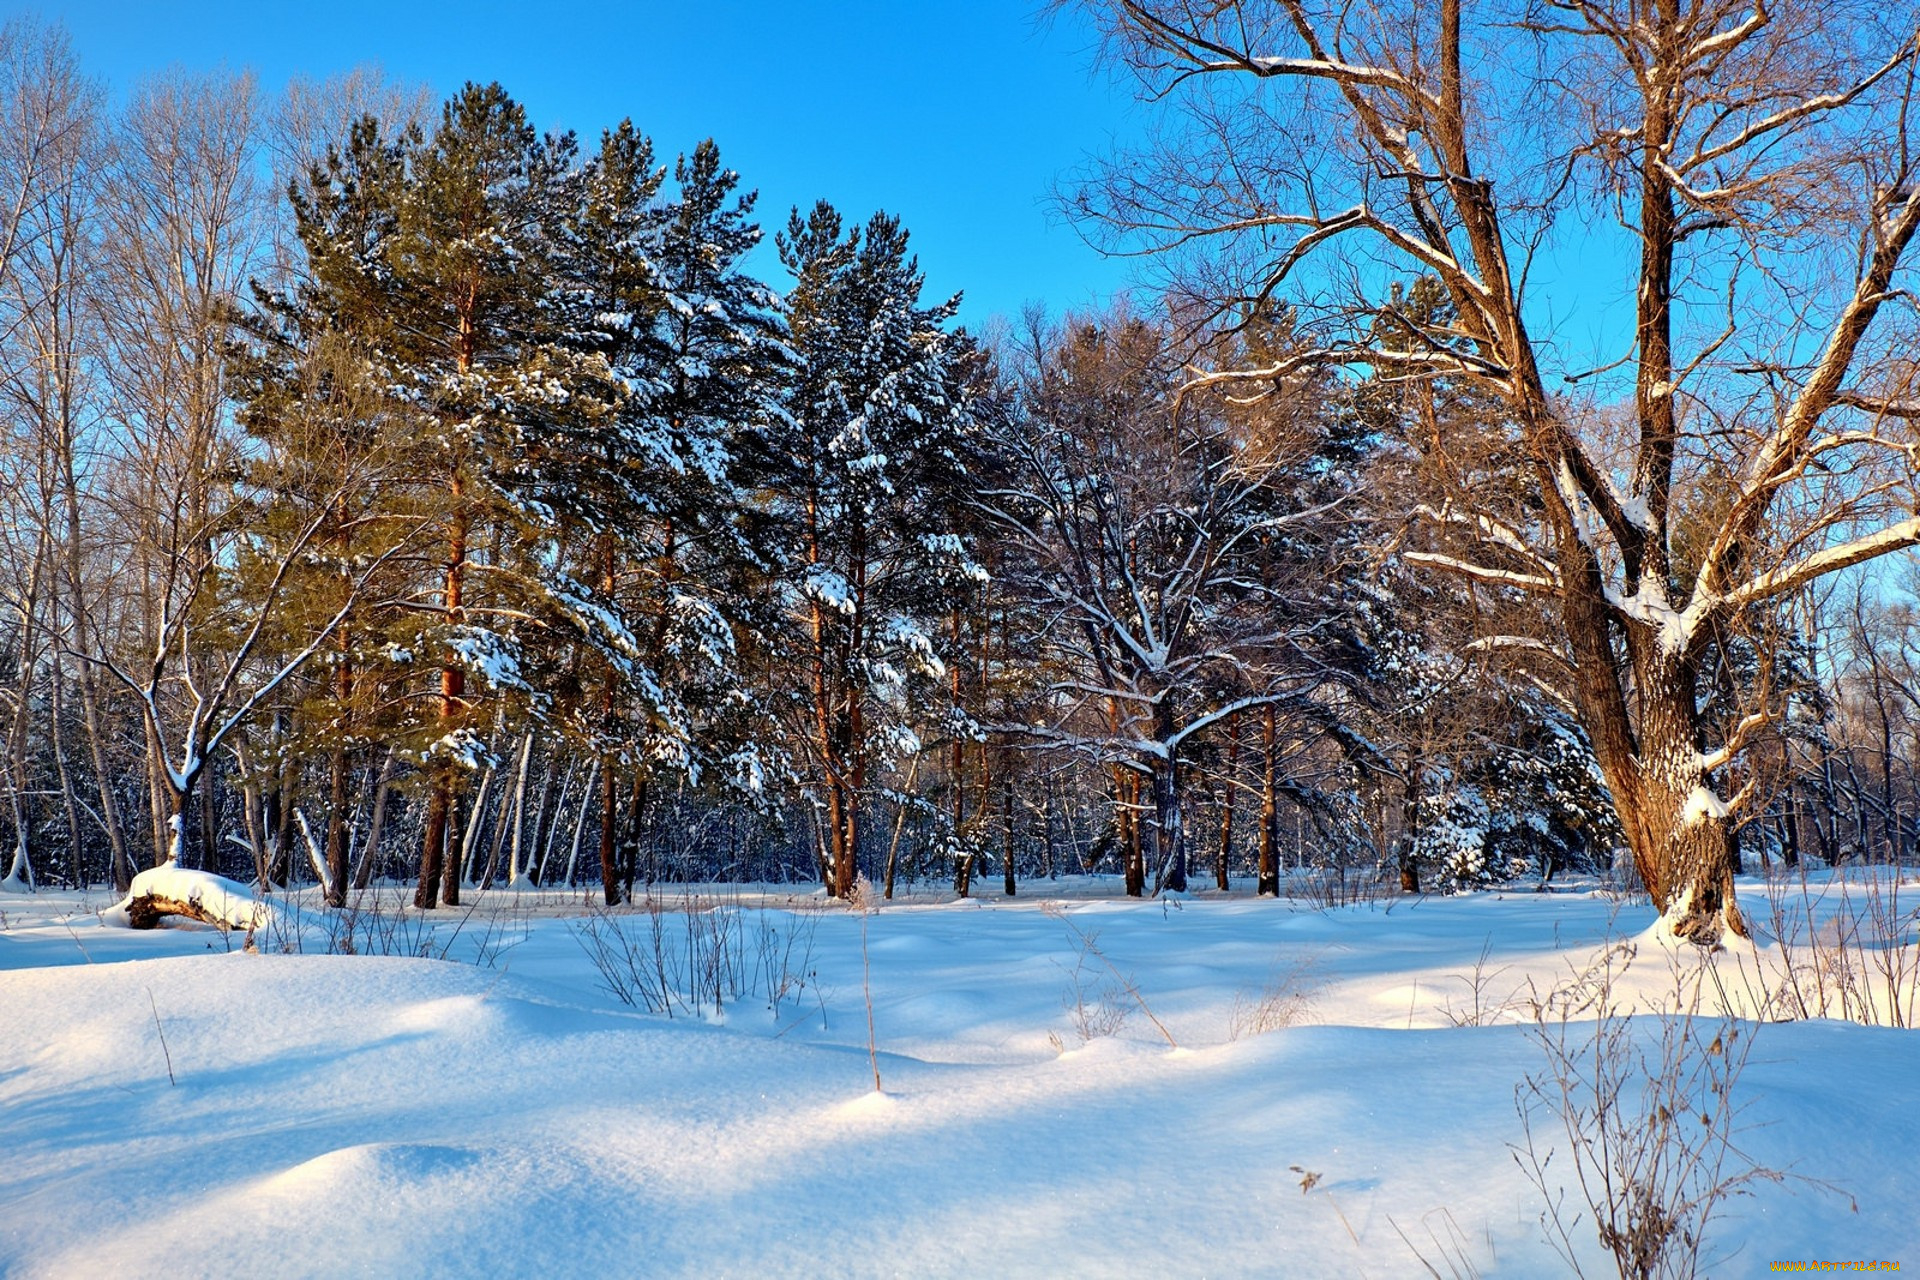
<point>149,911</point>
<point>168,891</point>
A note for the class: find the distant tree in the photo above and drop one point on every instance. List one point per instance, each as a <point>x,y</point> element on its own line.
<point>1159,542</point>
<point>50,122</point>
<point>182,214</point>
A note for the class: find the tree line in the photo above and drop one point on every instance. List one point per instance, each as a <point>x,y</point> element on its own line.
<point>396,491</point>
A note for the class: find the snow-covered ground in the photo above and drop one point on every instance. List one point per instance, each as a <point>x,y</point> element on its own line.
<point>171,1104</point>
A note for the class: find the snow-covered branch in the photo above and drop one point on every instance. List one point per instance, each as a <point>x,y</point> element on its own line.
<point>1529,582</point>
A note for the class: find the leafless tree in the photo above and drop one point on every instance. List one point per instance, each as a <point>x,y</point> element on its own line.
<point>181,224</point>
<point>48,121</point>
<point>1758,162</point>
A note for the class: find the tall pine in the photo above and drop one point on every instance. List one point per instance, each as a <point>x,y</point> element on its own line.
<point>877,435</point>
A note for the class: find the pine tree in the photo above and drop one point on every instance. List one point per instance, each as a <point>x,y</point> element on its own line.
<point>428,258</point>
<point>876,431</point>
<point>633,475</point>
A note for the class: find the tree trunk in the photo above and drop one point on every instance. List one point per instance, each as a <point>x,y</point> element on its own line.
<point>453,688</point>
<point>636,827</point>
<point>1133,850</point>
<point>460,832</point>
<point>181,805</point>
<point>485,875</point>
<point>370,853</point>
<point>1169,845</point>
<point>1410,819</point>
<point>209,854</point>
<point>157,788</point>
<point>1790,828</point>
<point>337,818</point>
<point>103,779</point>
<point>433,842</point>
<point>1677,826</point>
<point>537,869</point>
<point>520,810</point>
<point>1006,825</point>
<point>536,838</point>
<point>1269,874</point>
<point>956,776</point>
<point>580,827</point>
<point>609,834</point>
<point>1220,880</point>
<point>56,735</point>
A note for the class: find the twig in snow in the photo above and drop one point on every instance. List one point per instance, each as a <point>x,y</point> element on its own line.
<point>164,1051</point>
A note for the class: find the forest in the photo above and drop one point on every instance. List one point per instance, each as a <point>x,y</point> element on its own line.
<point>558,718</point>
<point>396,492</point>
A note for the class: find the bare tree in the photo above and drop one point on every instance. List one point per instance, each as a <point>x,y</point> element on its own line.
<point>47,129</point>
<point>1142,530</point>
<point>1758,161</point>
<point>180,223</point>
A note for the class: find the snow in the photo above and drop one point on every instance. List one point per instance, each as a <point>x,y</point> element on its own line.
<point>1702,805</point>
<point>500,1112</point>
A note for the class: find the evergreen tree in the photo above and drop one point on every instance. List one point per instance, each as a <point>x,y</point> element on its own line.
<point>876,433</point>
<point>636,484</point>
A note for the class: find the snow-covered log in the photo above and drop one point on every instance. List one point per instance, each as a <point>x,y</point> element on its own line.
<point>170,890</point>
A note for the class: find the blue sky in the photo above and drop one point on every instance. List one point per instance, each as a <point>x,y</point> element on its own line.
<point>957,116</point>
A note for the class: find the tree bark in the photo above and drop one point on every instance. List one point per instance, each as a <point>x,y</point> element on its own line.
<point>1132,850</point>
<point>433,842</point>
<point>453,688</point>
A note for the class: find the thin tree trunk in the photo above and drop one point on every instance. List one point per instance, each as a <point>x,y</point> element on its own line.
<point>609,834</point>
<point>1226,806</point>
<point>250,811</point>
<point>1132,848</point>
<point>467,826</point>
<point>1269,870</point>
<point>541,810</point>
<point>370,853</point>
<point>1410,817</point>
<point>520,809</point>
<point>280,870</point>
<point>157,793</point>
<point>539,867</point>
<point>122,867</point>
<point>1006,826</point>
<point>580,824</point>
<point>899,823</point>
<point>956,779</point>
<point>636,819</point>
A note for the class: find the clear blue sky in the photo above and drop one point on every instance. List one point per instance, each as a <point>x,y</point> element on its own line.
<point>957,116</point>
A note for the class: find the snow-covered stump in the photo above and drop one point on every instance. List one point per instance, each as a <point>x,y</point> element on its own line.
<point>169,890</point>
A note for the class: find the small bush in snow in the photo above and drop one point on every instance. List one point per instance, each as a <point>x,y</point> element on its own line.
<point>698,956</point>
<point>1645,1106</point>
<point>1285,1001</point>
